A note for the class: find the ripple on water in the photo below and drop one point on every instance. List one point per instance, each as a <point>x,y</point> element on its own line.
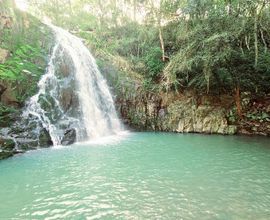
<point>146,176</point>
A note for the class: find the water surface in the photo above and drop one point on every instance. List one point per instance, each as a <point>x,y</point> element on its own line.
<point>144,176</point>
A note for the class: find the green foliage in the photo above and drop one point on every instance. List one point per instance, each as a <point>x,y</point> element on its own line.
<point>7,114</point>
<point>210,46</point>
<point>258,116</point>
<point>232,116</point>
<point>153,62</point>
<point>21,64</point>
<point>4,110</point>
<point>213,57</point>
<point>28,41</point>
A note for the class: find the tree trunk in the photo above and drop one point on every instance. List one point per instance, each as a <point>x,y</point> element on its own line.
<point>161,43</point>
<point>146,113</point>
<point>257,18</point>
<point>100,17</point>
<point>56,12</point>
<point>229,5</point>
<point>256,37</point>
<point>238,102</point>
<point>158,17</point>
<point>134,9</point>
<point>114,13</point>
<point>70,7</point>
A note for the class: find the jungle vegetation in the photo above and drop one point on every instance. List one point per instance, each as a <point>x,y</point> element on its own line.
<point>209,46</point>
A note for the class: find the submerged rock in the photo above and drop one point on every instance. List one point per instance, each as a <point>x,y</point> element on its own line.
<point>5,154</point>
<point>69,137</point>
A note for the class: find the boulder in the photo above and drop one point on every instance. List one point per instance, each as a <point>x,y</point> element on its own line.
<point>6,20</point>
<point>69,137</point>
<point>2,90</point>
<point>4,54</point>
<point>8,97</point>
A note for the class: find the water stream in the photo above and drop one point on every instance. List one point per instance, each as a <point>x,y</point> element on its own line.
<point>72,94</point>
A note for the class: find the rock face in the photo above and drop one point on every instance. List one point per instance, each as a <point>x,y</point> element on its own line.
<point>184,116</point>
<point>8,96</point>
<point>142,108</point>
<point>178,112</point>
<point>4,54</point>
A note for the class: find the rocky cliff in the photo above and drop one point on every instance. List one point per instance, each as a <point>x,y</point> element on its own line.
<point>183,111</point>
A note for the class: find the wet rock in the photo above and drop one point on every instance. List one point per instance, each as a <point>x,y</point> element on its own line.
<point>69,137</point>
<point>5,154</point>
<point>66,99</point>
<point>7,148</point>
<point>28,144</point>
<point>46,102</point>
<point>7,145</point>
<point>65,69</point>
<point>45,139</point>
<point>18,152</point>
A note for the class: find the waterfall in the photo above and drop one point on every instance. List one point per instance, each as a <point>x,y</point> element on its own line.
<point>73,95</point>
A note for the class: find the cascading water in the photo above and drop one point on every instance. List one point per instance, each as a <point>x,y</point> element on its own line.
<point>73,96</point>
